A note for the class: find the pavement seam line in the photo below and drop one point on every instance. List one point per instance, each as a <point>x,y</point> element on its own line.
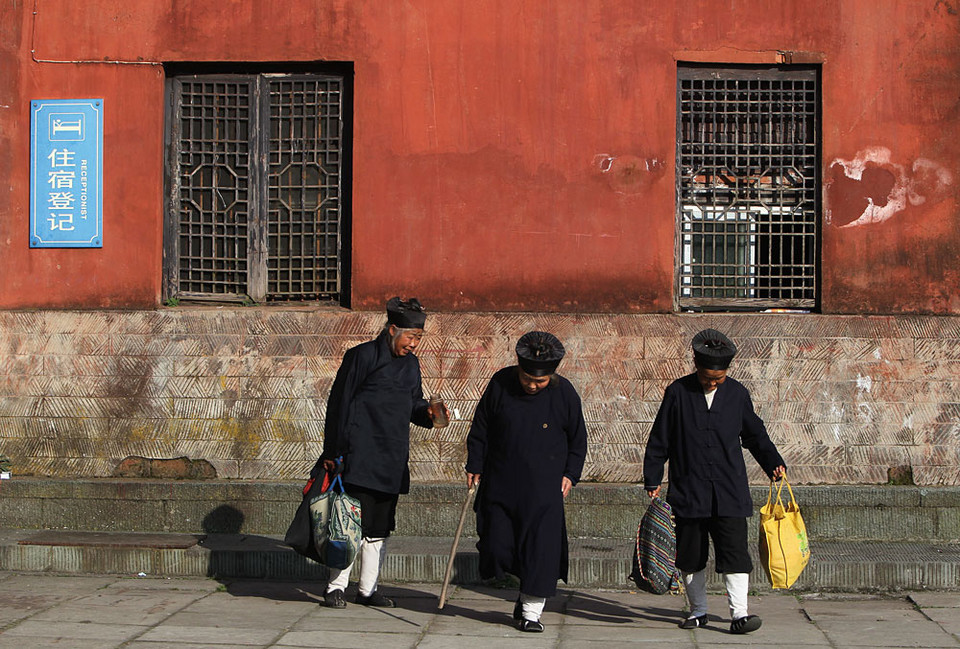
<point>426,627</point>
<point>126,643</point>
<point>32,615</point>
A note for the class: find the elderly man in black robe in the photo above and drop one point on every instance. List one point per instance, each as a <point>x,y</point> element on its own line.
<point>703,421</point>
<point>376,395</point>
<point>528,442</point>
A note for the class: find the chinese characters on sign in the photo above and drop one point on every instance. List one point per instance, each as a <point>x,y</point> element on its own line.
<point>66,173</point>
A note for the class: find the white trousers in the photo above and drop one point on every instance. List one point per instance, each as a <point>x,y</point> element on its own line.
<point>736,583</point>
<point>532,606</point>
<point>372,552</point>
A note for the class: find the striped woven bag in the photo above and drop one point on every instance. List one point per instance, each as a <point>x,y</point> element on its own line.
<point>655,553</point>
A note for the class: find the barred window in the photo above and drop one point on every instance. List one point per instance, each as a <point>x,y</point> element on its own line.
<point>748,188</point>
<point>256,207</point>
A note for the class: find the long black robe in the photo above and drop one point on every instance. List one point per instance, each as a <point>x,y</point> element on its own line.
<point>523,445</point>
<point>708,476</point>
<point>372,402</point>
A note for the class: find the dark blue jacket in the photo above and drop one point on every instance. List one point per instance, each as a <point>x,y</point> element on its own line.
<point>372,402</point>
<point>708,476</point>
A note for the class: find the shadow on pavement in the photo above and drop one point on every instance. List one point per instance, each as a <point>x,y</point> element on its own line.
<point>611,611</point>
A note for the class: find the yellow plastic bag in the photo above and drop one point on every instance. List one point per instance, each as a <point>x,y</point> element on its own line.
<point>784,549</point>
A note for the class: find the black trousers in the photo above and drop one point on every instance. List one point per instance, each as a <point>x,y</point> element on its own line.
<point>378,511</point>
<point>729,544</point>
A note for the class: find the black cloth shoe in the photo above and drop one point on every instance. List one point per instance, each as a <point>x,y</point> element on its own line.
<point>746,624</point>
<point>693,622</point>
<point>375,599</point>
<point>530,626</point>
<point>518,610</point>
<point>334,599</point>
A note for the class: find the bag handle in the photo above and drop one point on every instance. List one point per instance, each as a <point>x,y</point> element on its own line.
<point>779,510</point>
<point>793,500</point>
<point>331,478</point>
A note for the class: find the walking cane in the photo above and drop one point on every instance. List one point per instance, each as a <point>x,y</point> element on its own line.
<point>453,550</point>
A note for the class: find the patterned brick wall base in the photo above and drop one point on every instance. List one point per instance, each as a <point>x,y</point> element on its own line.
<point>846,398</point>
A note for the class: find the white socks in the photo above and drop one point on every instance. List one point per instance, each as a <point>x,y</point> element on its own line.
<point>532,606</point>
<point>372,552</point>
<point>737,584</point>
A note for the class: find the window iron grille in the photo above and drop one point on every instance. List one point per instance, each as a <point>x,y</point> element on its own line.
<point>747,186</point>
<point>257,195</point>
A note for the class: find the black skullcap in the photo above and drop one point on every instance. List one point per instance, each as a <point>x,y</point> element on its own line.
<point>406,314</point>
<point>712,350</point>
<point>539,353</point>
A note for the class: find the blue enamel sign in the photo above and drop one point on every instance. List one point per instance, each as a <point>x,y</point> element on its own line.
<point>66,173</point>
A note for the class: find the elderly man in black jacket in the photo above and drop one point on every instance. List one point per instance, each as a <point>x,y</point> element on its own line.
<point>376,395</point>
<point>703,421</point>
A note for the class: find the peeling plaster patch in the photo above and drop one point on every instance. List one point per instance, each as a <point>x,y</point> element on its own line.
<point>908,422</point>
<point>876,354</point>
<point>864,383</point>
<point>927,174</point>
<point>604,161</point>
<point>873,188</point>
<point>628,174</point>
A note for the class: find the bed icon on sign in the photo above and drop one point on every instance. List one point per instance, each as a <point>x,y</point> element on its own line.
<point>66,127</point>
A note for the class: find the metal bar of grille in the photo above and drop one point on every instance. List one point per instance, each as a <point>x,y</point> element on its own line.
<point>304,187</point>
<point>214,184</point>
<point>747,170</point>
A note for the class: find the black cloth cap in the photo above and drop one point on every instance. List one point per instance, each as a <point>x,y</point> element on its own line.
<point>539,353</point>
<point>712,350</point>
<point>406,314</point>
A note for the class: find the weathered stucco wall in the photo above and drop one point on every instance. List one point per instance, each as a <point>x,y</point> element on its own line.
<point>845,398</point>
<point>510,155</point>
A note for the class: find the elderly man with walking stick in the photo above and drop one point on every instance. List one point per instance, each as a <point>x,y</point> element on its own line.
<point>525,451</point>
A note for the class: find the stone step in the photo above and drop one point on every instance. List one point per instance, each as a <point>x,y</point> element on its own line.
<point>831,512</point>
<point>840,566</point>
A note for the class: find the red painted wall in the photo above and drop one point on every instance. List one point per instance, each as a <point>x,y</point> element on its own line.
<point>509,154</point>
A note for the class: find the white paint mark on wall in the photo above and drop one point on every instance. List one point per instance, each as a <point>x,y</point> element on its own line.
<point>864,383</point>
<point>604,161</point>
<point>911,186</point>
<point>836,412</point>
<point>896,199</point>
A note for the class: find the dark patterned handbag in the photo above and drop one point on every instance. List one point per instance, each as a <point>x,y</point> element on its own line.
<point>299,535</point>
<point>655,552</point>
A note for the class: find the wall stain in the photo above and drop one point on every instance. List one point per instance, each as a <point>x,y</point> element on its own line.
<point>871,187</point>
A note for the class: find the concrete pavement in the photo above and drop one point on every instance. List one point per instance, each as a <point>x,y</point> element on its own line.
<point>109,612</point>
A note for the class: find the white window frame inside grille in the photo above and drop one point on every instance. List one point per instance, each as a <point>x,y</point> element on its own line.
<point>747,242</point>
